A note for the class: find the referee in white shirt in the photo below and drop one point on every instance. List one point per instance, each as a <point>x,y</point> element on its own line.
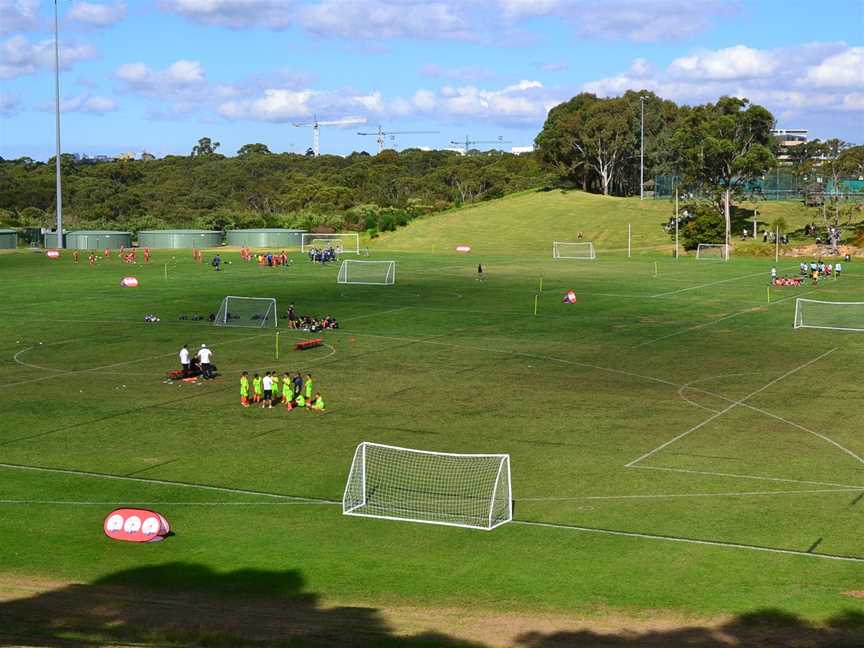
<point>184,360</point>
<point>204,355</point>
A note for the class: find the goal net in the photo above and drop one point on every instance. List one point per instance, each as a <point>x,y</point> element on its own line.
<point>372,273</point>
<point>464,490</point>
<point>564,250</point>
<point>712,252</point>
<point>341,243</point>
<point>839,316</point>
<point>255,312</point>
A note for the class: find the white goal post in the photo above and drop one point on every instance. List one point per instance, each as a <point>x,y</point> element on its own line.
<point>369,273</point>
<point>255,312</point>
<point>580,250</point>
<point>463,490</point>
<point>712,252</point>
<point>837,316</point>
<point>341,243</point>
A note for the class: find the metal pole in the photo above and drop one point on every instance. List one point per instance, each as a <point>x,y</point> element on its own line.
<point>642,149</point>
<point>777,245</point>
<point>676,222</point>
<point>628,239</point>
<point>59,189</point>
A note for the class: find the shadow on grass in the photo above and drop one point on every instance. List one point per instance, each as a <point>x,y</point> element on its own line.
<point>181,604</point>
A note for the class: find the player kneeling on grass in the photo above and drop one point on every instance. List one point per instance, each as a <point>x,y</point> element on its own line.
<point>299,400</point>
<point>318,404</point>
<point>244,389</point>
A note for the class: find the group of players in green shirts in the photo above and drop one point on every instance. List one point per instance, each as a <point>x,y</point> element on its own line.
<point>293,392</point>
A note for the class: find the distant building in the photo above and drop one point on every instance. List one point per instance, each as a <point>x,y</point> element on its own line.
<point>788,138</point>
<point>519,150</point>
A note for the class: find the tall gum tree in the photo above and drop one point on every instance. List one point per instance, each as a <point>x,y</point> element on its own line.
<point>724,146</point>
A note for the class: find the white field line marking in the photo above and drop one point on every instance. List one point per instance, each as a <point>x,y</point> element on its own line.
<point>392,310</point>
<point>732,406</point>
<point>713,283</point>
<point>777,417</point>
<point>160,482</point>
<point>710,543</point>
<point>110,366</point>
<point>678,495</point>
<point>742,476</point>
<point>754,309</point>
<point>133,503</point>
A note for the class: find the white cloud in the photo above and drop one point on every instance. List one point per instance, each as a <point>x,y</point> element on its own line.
<point>738,62</point>
<point>9,104</point>
<point>634,20</point>
<point>18,16</point>
<point>234,14</point>
<point>833,83</point>
<point>178,79</point>
<point>19,57</point>
<point>383,19</point>
<point>842,70</point>
<point>284,105</point>
<point>456,74</point>
<point>97,15</point>
<point>85,103</point>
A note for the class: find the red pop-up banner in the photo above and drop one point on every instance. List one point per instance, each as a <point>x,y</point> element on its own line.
<point>129,282</point>
<point>135,525</point>
<point>53,254</point>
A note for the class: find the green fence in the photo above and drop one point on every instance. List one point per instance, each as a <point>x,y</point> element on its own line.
<point>781,185</point>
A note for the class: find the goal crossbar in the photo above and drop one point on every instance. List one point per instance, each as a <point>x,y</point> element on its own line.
<point>829,315</point>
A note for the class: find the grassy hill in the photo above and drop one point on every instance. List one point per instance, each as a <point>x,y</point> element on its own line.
<point>527,223</point>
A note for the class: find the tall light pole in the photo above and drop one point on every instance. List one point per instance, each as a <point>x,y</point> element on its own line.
<point>642,148</point>
<point>57,128</point>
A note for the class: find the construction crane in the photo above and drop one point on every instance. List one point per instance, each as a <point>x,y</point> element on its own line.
<point>469,142</point>
<point>382,135</point>
<point>316,134</point>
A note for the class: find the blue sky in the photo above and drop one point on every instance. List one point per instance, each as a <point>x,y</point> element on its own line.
<point>156,75</point>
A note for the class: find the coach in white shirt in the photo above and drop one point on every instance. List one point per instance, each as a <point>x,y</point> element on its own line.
<point>184,360</point>
<point>204,355</point>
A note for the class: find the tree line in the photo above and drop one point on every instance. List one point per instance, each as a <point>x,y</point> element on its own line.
<point>258,188</point>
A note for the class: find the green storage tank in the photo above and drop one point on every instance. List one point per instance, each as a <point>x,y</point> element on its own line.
<point>98,240</point>
<point>265,238</point>
<point>50,239</point>
<point>8,239</point>
<point>179,239</point>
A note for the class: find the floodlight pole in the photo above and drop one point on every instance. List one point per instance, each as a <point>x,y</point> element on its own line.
<point>676,222</point>
<point>642,148</point>
<point>59,189</point>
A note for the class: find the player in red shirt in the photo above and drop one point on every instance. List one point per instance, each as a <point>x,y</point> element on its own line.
<point>146,255</point>
<point>75,256</point>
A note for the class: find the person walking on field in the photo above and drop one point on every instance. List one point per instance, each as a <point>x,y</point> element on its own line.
<point>479,272</point>
<point>267,384</point>
<point>184,360</point>
<point>204,356</point>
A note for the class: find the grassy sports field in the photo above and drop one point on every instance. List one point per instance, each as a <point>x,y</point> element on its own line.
<point>681,456</point>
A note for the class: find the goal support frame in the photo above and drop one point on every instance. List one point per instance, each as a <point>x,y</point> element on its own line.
<point>353,507</point>
<point>223,314</point>
<point>556,250</point>
<point>799,315</point>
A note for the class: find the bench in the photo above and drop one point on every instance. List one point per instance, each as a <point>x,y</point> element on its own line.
<point>308,344</point>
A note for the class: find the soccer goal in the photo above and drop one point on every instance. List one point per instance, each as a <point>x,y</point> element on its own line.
<point>712,252</point>
<point>255,312</point>
<point>370,273</point>
<point>464,490</point>
<point>581,250</point>
<point>838,316</point>
<point>341,243</point>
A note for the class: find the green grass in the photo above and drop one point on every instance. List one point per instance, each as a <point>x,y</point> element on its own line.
<point>443,362</point>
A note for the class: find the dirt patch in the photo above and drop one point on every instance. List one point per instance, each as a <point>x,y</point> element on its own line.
<point>855,594</point>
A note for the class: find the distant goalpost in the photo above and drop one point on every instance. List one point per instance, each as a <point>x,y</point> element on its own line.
<point>370,273</point>
<point>463,490</point>
<point>254,312</point>
<point>567,250</point>
<point>342,243</point>
<point>712,252</point>
<point>836,316</point>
